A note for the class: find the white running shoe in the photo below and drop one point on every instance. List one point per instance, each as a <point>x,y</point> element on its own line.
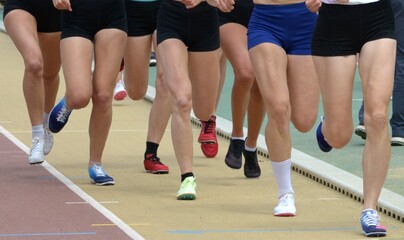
<point>397,141</point>
<point>119,91</point>
<point>187,189</point>
<point>286,206</point>
<point>48,140</point>
<point>36,154</point>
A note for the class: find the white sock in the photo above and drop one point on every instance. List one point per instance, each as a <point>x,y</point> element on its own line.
<point>237,138</point>
<point>282,171</point>
<point>250,149</point>
<point>37,131</point>
<point>45,117</point>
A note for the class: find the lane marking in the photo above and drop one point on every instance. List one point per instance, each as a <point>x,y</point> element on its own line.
<point>113,225</point>
<point>86,130</point>
<point>45,234</point>
<point>262,230</point>
<point>78,191</point>
<point>327,199</point>
<point>102,202</point>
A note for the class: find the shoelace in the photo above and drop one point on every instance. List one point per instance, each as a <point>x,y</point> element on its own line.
<point>120,85</point>
<point>155,159</point>
<point>48,133</point>
<point>99,172</point>
<point>285,199</point>
<point>35,145</point>
<point>209,126</point>
<point>188,181</point>
<point>63,114</point>
<point>371,219</point>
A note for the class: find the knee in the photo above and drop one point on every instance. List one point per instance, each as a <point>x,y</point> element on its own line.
<point>280,114</point>
<point>182,104</point>
<point>339,135</point>
<point>102,99</point>
<point>244,79</point>
<point>34,67</point>
<point>77,100</point>
<point>304,123</point>
<point>377,121</point>
<point>137,93</point>
<point>50,78</point>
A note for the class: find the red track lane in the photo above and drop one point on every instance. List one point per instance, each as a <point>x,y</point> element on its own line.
<point>33,204</point>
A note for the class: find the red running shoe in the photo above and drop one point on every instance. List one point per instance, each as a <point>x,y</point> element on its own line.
<point>210,149</point>
<point>153,165</point>
<point>119,91</point>
<point>207,138</point>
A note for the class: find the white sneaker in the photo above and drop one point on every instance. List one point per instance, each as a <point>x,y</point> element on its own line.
<point>360,130</point>
<point>119,91</point>
<point>48,140</point>
<point>397,141</point>
<point>187,189</point>
<point>286,206</point>
<point>36,154</point>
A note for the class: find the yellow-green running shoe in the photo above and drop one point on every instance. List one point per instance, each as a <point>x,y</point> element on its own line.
<point>187,189</point>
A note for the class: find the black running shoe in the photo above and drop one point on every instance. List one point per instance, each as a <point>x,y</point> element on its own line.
<point>360,130</point>
<point>251,167</point>
<point>234,154</point>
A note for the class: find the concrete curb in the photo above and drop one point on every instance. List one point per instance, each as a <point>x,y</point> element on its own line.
<point>390,203</point>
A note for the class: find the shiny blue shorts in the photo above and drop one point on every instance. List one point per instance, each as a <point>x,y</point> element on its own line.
<point>288,26</point>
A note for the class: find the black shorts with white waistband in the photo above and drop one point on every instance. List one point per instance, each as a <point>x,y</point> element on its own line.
<point>342,30</point>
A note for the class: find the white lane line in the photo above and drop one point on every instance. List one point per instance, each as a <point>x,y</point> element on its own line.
<point>87,198</point>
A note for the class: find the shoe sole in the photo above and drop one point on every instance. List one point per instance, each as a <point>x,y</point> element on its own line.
<point>231,165</point>
<point>36,163</point>
<point>397,141</point>
<point>186,196</point>
<point>153,62</point>
<point>375,234</point>
<point>206,141</point>
<point>56,129</point>
<point>157,172</point>
<point>361,133</point>
<point>252,175</point>
<point>397,144</point>
<point>285,215</point>
<point>321,140</point>
<point>120,96</point>
<point>103,184</point>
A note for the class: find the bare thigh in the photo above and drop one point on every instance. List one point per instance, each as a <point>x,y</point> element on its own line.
<point>304,91</point>
<point>109,49</point>
<point>77,55</point>
<point>204,72</point>
<point>376,67</point>
<point>137,58</point>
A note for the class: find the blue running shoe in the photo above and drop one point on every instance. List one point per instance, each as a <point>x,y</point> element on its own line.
<point>322,143</point>
<point>99,177</point>
<point>58,116</point>
<point>370,224</point>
